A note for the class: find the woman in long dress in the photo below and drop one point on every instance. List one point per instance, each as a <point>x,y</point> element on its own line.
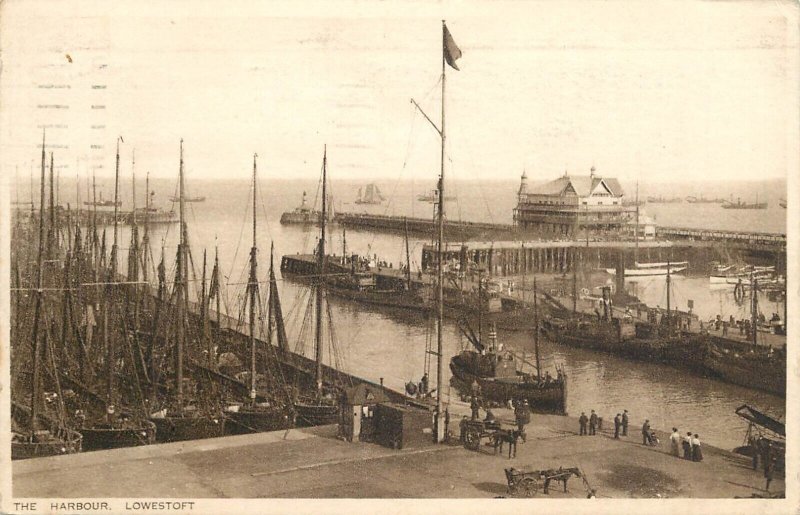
<point>697,451</point>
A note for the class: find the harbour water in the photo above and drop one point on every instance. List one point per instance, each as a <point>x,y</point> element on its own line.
<point>391,344</point>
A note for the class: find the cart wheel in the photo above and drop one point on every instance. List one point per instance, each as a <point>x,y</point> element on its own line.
<point>472,440</point>
<point>529,486</point>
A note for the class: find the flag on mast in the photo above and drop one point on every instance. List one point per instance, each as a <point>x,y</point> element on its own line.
<point>451,50</point>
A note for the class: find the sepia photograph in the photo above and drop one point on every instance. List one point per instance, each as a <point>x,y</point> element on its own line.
<point>338,257</point>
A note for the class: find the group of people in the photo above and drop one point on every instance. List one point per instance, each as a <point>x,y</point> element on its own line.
<point>593,422</point>
<point>692,449</point>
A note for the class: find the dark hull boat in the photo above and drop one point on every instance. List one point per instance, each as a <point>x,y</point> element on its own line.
<point>316,413</point>
<point>188,426</point>
<point>543,396</point>
<point>106,436</point>
<point>756,368</point>
<point>60,440</point>
<point>258,419</point>
<point>65,441</point>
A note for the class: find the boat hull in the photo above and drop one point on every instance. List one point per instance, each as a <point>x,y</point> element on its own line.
<point>316,414</point>
<point>638,272</point>
<point>66,442</point>
<point>548,398</point>
<point>178,429</point>
<point>100,438</point>
<point>248,420</point>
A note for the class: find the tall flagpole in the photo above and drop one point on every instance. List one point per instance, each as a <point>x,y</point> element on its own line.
<point>439,262</point>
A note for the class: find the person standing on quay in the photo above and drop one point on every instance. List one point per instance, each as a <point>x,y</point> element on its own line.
<point>769,471</point>
<point>687,446</point>
<point>624,422</point>
<point>646,432</point>
<point>593,423</point>
<point>582,420</point>
<point>617,425</point>
<point>697,451</point>
<point>675,442</point>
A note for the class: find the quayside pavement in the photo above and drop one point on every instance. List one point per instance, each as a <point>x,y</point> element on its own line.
<point>312,463</point>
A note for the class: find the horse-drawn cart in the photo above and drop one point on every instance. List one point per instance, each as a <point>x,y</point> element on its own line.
<point>476,430</point>
<point>527,482</point>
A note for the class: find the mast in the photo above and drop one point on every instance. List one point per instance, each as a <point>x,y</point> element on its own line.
<point>344,246</point>
<point>669,313</point>
<point>112,276</point>
<point>252,288</point>
<point>636,228</point>
<point>146,236</point>
<point>36,392</point>
<point>439,261</point>
<point>408,255</point>
<point>754,310</point>
<point>181,293</point>
<point>51,235</point>
<point>536,331</point>
<point>574,285</point>
<point>215,275</point>
<point>320,272</point>
<point>480,306</point>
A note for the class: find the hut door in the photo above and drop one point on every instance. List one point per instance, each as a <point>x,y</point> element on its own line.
<point>355,436</point>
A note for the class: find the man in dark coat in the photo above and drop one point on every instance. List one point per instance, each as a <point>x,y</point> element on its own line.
<point>646,432</point>
<point>582,421</point>
<point>625,423</point>
<point>593,423</point>
<point>475,407</point>
<point>522,413</point>
<point>617,425</point>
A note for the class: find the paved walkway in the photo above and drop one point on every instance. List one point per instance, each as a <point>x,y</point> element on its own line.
<point>312,463</point>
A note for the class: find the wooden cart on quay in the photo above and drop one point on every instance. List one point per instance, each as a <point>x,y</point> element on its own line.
<point>526,483</point>
<point>478,430</point>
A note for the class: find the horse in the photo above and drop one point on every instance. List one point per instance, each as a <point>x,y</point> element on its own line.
<point>510,436</point>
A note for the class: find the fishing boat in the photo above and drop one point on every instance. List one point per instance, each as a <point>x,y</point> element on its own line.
<point>106,422</point>
<point>33,432</point>
<point>499,374</point>
<point>177,417</point>
<point>372,195</point>
<point>648,269</point>
<point>749,364</point>
<point>322,406</point>
<point>303,215</point>
<point>267,413</point>
<point>729,204</point>
<point>782,203</point>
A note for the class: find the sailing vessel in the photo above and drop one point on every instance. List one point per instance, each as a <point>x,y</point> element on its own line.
<point>499,372</point>
<point>182,418</point>
<point>782,203</point>
<point>322,406</point>
<point>33,432</point>
<point>372,195</point>
<point>107,422</point>
<point>266,413</point>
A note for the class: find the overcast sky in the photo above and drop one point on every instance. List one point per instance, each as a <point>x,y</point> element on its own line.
<point>640,90</point>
